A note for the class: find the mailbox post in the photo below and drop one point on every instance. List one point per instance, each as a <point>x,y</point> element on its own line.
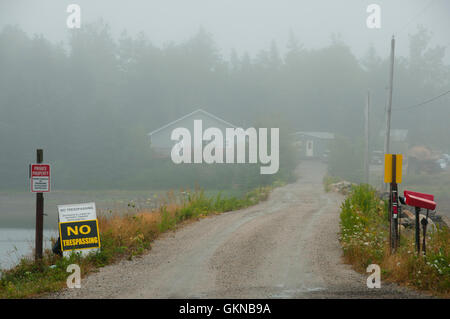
<point>417,211</point>
<point>420,201</point>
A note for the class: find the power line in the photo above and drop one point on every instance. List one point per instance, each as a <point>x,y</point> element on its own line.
<point>422,11</point>
<point>424,102</point>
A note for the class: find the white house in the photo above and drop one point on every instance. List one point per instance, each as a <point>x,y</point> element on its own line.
<point>160,139</point>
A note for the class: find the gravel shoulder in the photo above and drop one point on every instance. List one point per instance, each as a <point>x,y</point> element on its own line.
<point>285,247</point>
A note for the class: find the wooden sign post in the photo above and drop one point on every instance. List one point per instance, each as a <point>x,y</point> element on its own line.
<point>39,213</point>
<point>39,184</point>
<point>393,176</point>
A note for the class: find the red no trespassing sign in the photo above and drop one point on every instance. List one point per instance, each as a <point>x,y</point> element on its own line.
<point>40,178</point>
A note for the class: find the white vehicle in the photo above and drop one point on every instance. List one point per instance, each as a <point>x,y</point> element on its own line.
<point>443,163</point>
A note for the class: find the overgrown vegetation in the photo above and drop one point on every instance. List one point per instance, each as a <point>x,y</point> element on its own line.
<point>122,236</point>
<point>365,240</point>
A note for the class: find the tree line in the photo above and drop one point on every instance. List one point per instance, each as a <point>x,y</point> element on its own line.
<point>90,101</point>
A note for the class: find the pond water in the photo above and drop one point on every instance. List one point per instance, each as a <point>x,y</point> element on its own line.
<point>18,242</point>
<point>18,215</point>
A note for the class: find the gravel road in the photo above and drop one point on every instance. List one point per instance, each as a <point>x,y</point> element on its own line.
<point>285,247</point>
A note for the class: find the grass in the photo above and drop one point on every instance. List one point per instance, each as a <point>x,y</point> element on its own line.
<point>122,236</point>
<point>365,240</point>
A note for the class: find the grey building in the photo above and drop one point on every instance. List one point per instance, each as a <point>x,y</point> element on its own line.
<point>161,142</point>
<point>313,144</point>
<point>398,141</point>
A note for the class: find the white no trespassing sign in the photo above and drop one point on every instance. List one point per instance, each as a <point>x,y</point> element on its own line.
<point>78,228</point>
<point>40,178</point>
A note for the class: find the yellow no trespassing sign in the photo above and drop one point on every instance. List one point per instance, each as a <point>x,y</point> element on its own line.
<point>79,235</point>
<point>78,228</point>
<point>388,163</point>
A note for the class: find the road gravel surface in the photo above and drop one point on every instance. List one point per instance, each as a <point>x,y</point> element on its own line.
<point>285,247</point>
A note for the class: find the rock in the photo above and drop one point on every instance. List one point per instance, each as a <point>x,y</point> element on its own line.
<point>431,227</point>
<point>384,196</point>
<point>343,187</point>
<point>407,219</point>
<point>406,213</point>
<point>440,220</point>
<point>445,221</point>
<point>406,222</point>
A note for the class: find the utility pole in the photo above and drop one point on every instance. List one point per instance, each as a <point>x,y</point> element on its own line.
<point>367,149</point>
<point>389,104</point>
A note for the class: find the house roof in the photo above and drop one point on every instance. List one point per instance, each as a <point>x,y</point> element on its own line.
<point>321,135</point>
<point>191,114</point>
<point>397,135</point>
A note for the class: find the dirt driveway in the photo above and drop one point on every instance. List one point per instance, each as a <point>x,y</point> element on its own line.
<point>285,247</point>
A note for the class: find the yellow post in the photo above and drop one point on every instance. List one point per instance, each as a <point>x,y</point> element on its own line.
<point>388,168</point>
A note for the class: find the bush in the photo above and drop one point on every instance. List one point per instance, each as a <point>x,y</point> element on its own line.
<point>365,240</point>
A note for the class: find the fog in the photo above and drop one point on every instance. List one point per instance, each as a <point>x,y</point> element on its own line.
<point>246,26</point>
<point>90,96</point>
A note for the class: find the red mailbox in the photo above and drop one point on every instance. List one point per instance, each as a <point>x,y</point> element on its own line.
<point>420,200</point>
<point>423,195</point>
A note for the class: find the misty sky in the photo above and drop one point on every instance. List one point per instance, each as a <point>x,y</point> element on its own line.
<point>245,25</point>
